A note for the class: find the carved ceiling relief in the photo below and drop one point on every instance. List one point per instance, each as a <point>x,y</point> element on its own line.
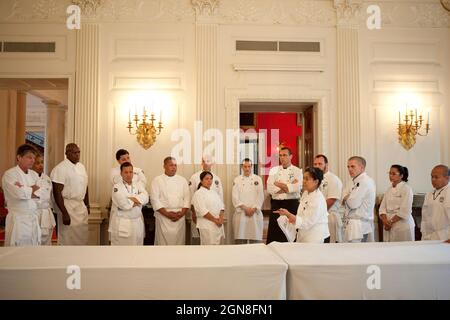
<point>283,12</point>
<point>348,12</point>
<point>205,7</point>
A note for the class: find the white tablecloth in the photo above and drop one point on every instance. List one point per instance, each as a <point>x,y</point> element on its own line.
<point>408,270</point>
<point>150,272</point>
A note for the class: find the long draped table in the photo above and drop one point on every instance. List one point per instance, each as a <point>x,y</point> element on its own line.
<point>399,270</point>
<point>145,272</point>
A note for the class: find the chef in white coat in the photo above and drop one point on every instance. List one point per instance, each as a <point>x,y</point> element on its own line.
<point>284,185</point>
<point>248,198</point>
<point>331,188</point>
<point>123,156</point>
<point>20,188</point>
<point>311,220</point>
<point>210,211</point>
<point>46,218</point>
<point>396,207</point>
<point>207,163</point>
<point>171,200</point>
<point>70,193</point>
<point>436,207</point>
<point>359,203</point>
<point>127,226</point>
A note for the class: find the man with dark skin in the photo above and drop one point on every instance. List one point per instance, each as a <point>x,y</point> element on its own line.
<point>70,174</point>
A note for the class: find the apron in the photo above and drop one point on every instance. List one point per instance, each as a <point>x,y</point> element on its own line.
<point>168,232</point>
<point>22,229</point>
<point>77,233</point>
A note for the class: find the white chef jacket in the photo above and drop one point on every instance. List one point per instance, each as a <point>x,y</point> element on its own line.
<point>312,218</point>
<point>359,207</point>
<point>397,201</point>
<point>286,176</point>
<point>248,191</point>
<point>44,205</point>
<point>331,188</point>
<point>127,225</point>
<point>204,201</point>
<point>75,180</point>
<point>436,215</point>
<point>171,193</point>
<point>22,222</point>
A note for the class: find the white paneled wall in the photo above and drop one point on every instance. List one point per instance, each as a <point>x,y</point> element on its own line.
<point>399,68</point>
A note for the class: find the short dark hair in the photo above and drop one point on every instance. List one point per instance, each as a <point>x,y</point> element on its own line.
<point>125,165</point>
<point>403,171</point>
<point>24,149</point>
<point>445,170</point>
<point>167,159</point>
<point>361,160</point>
<point>315,173</point>
<point>246,160</point>
<point>322,156</point>
<point>202,176</point>
<point>286,148</point>
<point>121,152</point>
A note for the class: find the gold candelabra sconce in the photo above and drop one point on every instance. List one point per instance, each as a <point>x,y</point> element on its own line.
<point>410,125</point>
<point>145,128</point>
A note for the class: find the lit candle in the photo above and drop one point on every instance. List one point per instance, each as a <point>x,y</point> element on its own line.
<point>160,115</point>
<point>416,114</point>
<point>428,119</point>
<point>129,115</point>
<point>399,120</point>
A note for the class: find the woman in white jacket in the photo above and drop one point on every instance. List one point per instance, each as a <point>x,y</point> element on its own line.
<point>396,207</point>
<point>209,209</point>
<point>311,220</point>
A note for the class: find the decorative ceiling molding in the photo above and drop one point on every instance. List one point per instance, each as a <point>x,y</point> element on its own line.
<point>89,7</point>
<point>348,12</point>
<point>317,13</point>
<point>205,7</point>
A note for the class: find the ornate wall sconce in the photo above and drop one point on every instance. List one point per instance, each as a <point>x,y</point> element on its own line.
<point>411,127</point>
<point>145,130</point>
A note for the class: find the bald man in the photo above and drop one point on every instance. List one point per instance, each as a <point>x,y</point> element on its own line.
<point>359,203</point>
<point>436,207</point>
<point>70,191</point>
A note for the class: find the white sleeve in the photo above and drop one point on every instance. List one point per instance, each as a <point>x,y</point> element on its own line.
<point>192,186</point>
<point>356,198</point>
<point>383,207</point>
<point>186,195</point>
<point>271,188</point>
<point>260,197</point>
<point>309,217</point>
<point>220,188</point>
<point>58,175</point>
<point>120,199</point>
<point>235,195</point>
<point>142,177</point>
<point>199,204</point>
<point>8,182</point>
<point>296,187</point>
<point>155,194</point>
<point>406,205</point>
<point>143,194</point>
<point>334,189</point>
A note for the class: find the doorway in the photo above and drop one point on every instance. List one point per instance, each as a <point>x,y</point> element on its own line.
<point>269,126</point>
